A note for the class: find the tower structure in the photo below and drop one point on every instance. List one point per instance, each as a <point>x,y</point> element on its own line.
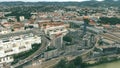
<point>85,18</point>
<point>86,21</point>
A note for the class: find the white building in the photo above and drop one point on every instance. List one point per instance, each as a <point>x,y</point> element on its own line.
<point>4,31</point>
<point>22,18</point>
<point>15,45</point>
<point>6,59</point>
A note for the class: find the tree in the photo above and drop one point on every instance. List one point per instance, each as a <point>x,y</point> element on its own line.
<point>77,61</point>
<point>93,0</point>
<point>67,38</point>
<point>100,42</point>
<point>108,0</point>
<point>61,64</point>
<point>71,65</point>
<point>103,59</point>
<point>111,21</point>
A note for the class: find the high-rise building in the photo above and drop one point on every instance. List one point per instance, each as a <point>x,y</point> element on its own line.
<point>56,31</point>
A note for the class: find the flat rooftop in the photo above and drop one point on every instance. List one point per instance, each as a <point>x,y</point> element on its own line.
<point>13,34</point>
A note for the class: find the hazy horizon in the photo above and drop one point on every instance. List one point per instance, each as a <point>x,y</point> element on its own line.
<point>45,0</point>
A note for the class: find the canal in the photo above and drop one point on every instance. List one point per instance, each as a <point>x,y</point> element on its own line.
<point>115,64</point>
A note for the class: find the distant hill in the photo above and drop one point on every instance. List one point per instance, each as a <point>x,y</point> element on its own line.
<point>82,4</point>
<point>19,8</point>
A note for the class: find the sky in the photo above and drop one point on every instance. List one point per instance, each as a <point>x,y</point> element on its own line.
<point>45,0</point>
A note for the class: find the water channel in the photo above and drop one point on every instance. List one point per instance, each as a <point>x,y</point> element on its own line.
<point>115,64</point>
